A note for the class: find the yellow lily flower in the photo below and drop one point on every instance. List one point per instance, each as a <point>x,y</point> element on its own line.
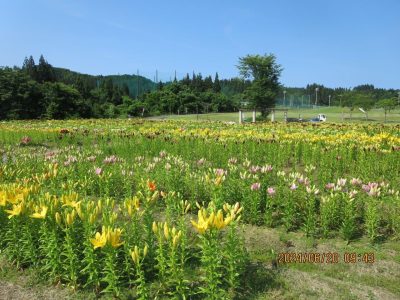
<point>114,237</point>
<point>12,198</point>
<point>99,240</point>
<point>16,211</point>
<point>211,218</point>
<point>228,220</point>
<point>202,222</point>
<point>219,220</point>
<point>41,214</point>
<point>70,200</point>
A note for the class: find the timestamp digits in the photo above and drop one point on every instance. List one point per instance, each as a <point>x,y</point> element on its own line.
<point>308,257</point>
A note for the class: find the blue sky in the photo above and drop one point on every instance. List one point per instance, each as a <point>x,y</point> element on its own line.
<point>335,43</point>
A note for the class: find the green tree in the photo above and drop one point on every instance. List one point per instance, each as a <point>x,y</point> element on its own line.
<point>45,72</point>
<point>217,84</point>
<point>125,89</point>
<point>207,84</point>
<point>20,96</point>
<point>29,67</point>
<point>63,101</point>
<point>387,105</point>
<point>160,86</point>
<point>347,100</point>
<point>265,86</point>
<point>107,87</point>
<point>116,95</point>
<point>364,88</point>
<point>363,101</point>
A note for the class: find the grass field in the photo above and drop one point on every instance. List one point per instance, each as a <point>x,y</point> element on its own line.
<point>288,281</point>
<point>334,114</point>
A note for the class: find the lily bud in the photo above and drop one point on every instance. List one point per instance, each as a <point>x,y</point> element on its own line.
<point>175,241</point>
<point>187,208</point>
<point>69,219</point>
<point>166,231</point>
<point>155,227</point>
<point>92,218</point>
<point>154,197</point>
<point>58,218</point>
<point>99,205</point>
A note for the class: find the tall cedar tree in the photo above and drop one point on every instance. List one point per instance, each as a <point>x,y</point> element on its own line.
<point>29,67</point>
<point>216,85</point>
<point>45,72</point>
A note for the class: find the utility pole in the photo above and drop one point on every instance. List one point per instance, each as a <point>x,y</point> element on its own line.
<point>284,97</point>
<point>137,84</point>
<point>316,97</point>
<point>398,99</point>
<point>341,96</point>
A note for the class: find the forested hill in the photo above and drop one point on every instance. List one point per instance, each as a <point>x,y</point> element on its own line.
<point>43,91</point>
<point>133,83</point>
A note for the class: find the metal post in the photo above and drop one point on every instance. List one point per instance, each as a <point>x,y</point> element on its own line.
<point>398,99</point>
<point>137,87</point>
<point>254,116</point>
<point>240,117</point>
<point>284,98</point>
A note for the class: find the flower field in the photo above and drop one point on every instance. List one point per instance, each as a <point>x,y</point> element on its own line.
<point>156,209</point>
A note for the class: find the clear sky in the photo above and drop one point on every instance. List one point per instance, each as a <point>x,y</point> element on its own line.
<point>335,43</point>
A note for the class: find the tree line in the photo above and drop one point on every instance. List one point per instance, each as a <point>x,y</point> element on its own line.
<point>365,95</point>
<point>36,91</point>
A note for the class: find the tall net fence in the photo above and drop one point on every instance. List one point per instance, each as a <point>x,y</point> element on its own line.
<point>298,102</point>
